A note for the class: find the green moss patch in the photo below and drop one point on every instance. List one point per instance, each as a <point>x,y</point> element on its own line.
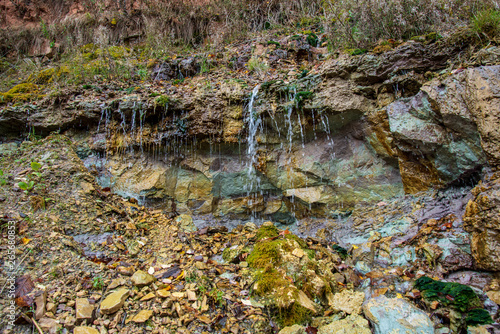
<point>268,231</point>
<point>295,314</point>
<point>265,253</point>
<point>21,93</point>
<point>457,296</point>
<point>460,297</point>
<point>268,279</point>
<point>478,316</point>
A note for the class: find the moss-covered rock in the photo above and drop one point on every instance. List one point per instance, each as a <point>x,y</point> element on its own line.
<point>20,93</point>
<point>466,307</point>
<point>287,277</point>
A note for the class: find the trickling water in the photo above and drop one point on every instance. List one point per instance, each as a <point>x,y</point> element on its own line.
<point>253,122</point>
<point>301,130</point>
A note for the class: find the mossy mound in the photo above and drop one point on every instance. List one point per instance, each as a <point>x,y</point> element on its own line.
<point>267,231</point>
<point>286,275</point>
<point>21,93</point>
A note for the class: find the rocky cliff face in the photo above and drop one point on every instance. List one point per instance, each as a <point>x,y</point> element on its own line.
<point>353,129</point>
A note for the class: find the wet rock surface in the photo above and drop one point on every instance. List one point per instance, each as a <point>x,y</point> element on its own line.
<point>107,264</point>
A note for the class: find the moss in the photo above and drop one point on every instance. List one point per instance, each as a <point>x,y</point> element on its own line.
<point>42,77</point>
<point>269,231</point>
<point>381,49</point>
<point>300,241</point>
<point>478,316</point>
<point>118,52</point>
<point>356,52</point>
<point>162,101</point>
<point>432,36</point>
<point>295,314</point>
<point>273,43</point>
<point>300,97</point>
<point>91,52</point>
<point>20,93</point>
<point>341,251</point>
<point>267,280</point>
<point>265,253</point>
<point>458,296</point>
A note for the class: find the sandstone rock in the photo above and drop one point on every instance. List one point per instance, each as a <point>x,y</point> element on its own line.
<point>186,223</point>
<point>85,330</point>
<point>87,187</point>
<point>84,310</point>
<point>391,316</point>
<point>295,329</point>
<point>482,97</point>
<point>481,220</point>
<point>141,278</point>
<point>114,301</point>
<point>51,307</point>
<point>347,301</point>
<point>353,324</point>
<point>494,296</point>
<point>477,330</point>
<point>163,293</point>
<point>305,302</point>
<point>49,325</point>
<point>116,283</point>
<point>147,297</point>
<point>191,295</point>
<point>142,316</point>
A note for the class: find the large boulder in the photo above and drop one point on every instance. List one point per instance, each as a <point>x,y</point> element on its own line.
<point>394,315</point>
<point>441,132</point>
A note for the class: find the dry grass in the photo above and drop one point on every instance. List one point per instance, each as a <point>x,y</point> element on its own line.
<point>190,23</point>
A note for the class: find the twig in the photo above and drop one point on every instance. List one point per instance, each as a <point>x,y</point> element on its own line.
<point>36,325</point>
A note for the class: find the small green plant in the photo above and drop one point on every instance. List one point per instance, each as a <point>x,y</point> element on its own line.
<point>97,283</point>
<point>271,42</point>
<point>487,22</point>
<point>178,81</point>
<point>217,295</point>
<point>3,181</point>
<point>26,186</point>
<point>143,74</point>
<point>302,74</point>
<point>256,65</point>
<point>312,39</point>
<point>300,97</point>
<point>204,66</point>
<point>342,252</point>
<point>45,31</point>
<point>35,166</point>
<point>162,101</point>
<point>181,125</point>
